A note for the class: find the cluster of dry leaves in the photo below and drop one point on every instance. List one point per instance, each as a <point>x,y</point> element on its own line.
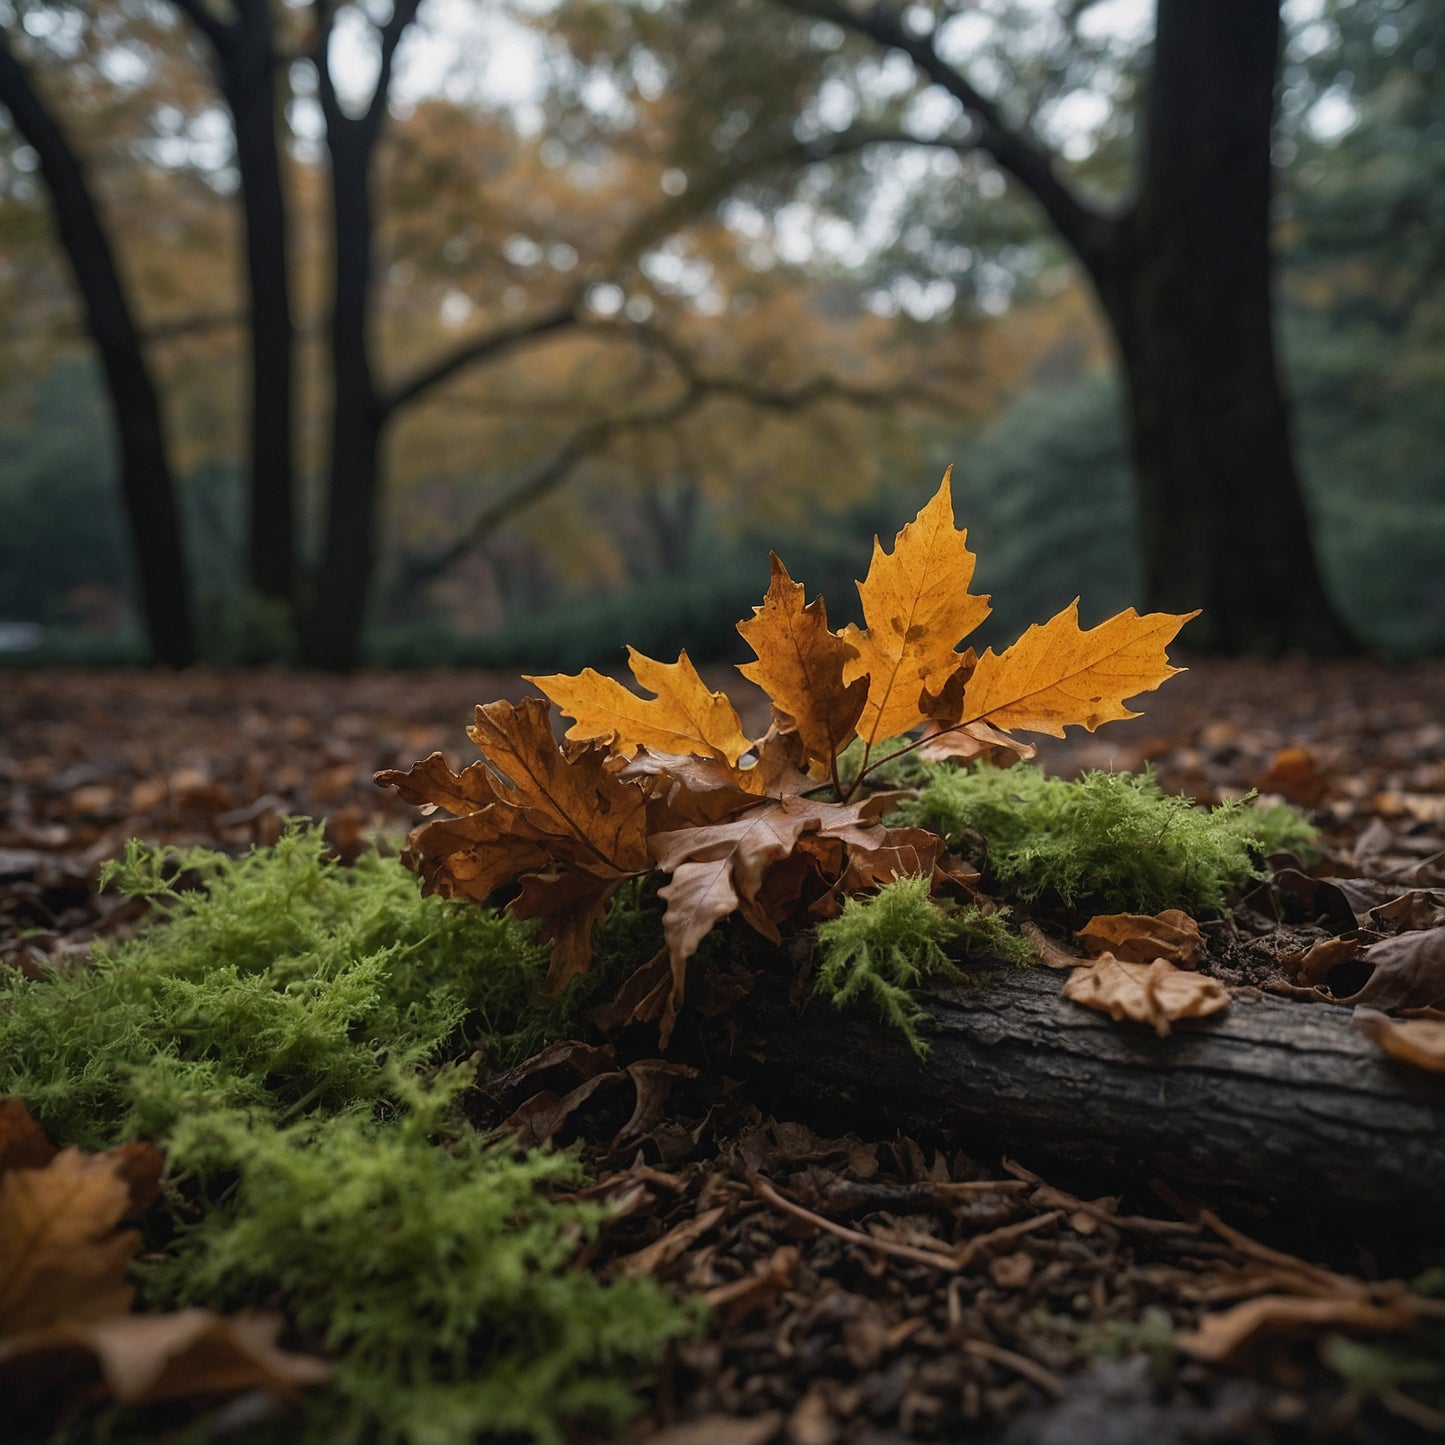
<point>65,1314</point>
<point>672,783</point>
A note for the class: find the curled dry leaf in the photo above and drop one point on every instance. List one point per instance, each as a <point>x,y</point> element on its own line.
<point>1409,972</point>
<point>1143,937</point>
<point>1415,1041</point>
<point>1149,993</point>
<point>144,1359</point>
<point>1233,1333</point>
<point>64,1298</point>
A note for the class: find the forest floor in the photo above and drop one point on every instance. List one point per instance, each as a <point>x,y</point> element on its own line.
<point>817,1249</point>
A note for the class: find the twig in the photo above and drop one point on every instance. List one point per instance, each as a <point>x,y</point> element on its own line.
<point>935,1259</point>
<point>1031,1370</point>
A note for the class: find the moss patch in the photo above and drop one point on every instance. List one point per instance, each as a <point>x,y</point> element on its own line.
<point>1107,842</point>
<point>881,947</point>
<point>285,1033</point>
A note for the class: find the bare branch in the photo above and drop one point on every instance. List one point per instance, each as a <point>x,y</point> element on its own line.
<point>403,12</point>
<point>480,348</point>
<point>1086,229</point>
<point>210,25</point>
<point>591,439</point>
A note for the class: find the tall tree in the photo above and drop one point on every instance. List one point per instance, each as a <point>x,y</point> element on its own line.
<point>246,60</point>
<point>1184,274</point>
<point>145,475</point>
<point>1180,261</point>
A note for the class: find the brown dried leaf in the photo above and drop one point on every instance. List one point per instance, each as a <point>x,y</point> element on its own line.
<point>801,667</point>
<point>61,1255</point>
<point>1409,972</point>
<point>147,1358</point>
<point>1149,993</point>
<point>1415,1041</point>
<point>1143,937</point>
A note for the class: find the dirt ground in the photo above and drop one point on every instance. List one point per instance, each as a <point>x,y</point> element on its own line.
<point>863,1289</point>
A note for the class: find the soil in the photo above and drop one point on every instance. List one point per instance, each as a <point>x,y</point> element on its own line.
<point>862,1289</point>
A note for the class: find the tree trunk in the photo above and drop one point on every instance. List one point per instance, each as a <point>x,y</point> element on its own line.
<point>332,633</point>
<point>1188,288</point>
<point>1271,1106</point>
<point>145,476</point>
<point>248,73</point>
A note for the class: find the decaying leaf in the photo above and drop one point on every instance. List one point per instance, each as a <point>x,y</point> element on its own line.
<point>801,666</point>
<point>1409,972</point>
<point>64,1299</point>
<point>1415,1041</point>
<point>1149,993</point>
<point>670,782</point>
<point>1143,937</point>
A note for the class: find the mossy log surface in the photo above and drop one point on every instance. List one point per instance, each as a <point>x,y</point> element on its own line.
<point>1273,1105</point>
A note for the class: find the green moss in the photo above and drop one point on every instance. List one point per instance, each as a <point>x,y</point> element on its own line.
<point>1108,842</point>
<point>882,947</point>
<point>437,1270</point>
<point>284,1032</point>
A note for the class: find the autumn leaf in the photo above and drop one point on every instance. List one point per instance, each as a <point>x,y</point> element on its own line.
<point>1143,937</point>
<point>1420,1042</point>
<point>916,609</point>
<point>683,716</point>
<point>1149,993</point>
<point>1057,674</point>
<point>568,828</point>
<point>64,1296</point>
<point>801,666</point>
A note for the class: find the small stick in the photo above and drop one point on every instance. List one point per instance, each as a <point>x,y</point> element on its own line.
<point>1031,1370</point>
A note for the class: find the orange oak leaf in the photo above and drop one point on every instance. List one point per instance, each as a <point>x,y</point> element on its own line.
<point>1058,675</point>
<point>916,608</point>
<point>801,667</point>
<point>683,716</point>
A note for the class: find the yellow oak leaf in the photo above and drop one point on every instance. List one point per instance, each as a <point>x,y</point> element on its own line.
<point>683,716</point>
<point>1057,674</point>
<point>801,667</point>
<point>917,608</point>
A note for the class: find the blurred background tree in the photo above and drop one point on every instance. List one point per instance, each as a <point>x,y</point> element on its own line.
<point>513,332</point>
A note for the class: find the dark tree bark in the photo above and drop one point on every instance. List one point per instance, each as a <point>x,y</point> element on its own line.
<point>1183,273</point>
<point>1222,520</point>
<point>341,589</point>
<point>147,487</point>
<point>246,62</point>
<point>1273,1105</point>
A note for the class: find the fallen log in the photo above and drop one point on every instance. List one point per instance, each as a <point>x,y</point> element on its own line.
<point>1274,1105</point>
